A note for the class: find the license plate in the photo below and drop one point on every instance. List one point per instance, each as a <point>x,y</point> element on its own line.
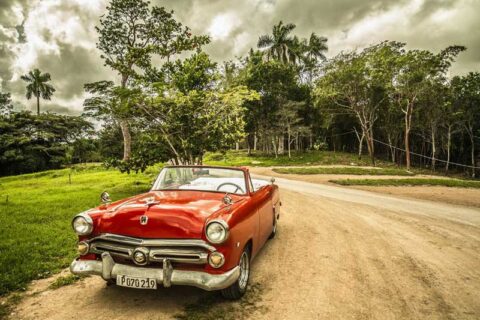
<point>135,282</point>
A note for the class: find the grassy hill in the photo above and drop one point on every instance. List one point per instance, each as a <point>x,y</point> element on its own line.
<point>36,236</point>
<point>241,158</point>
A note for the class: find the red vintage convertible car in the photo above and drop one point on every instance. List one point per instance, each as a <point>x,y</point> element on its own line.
<point>198,226</point>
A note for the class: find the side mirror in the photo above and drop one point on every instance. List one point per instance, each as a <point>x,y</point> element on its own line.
<point>272,180</point>
<point>105,198</point>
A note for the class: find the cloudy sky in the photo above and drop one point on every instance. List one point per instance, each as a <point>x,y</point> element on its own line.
<point>58,36</point>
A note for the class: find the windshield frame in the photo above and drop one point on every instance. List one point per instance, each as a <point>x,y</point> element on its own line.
<point>155,186</point>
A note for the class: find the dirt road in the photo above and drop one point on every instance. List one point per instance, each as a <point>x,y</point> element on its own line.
<point>340,253</point>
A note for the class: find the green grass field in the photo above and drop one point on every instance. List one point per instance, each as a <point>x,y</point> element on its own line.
<point>36,236</point>
<point>346,170</point>
<point>409,182</point>
<point>241,158</point>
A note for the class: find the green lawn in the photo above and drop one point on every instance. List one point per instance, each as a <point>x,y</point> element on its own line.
<point>241,158</point>
<point>36,236</point>
<point>346,170</point>
<point>409,182</point>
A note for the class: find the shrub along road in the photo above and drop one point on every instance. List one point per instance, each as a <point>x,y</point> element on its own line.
<point>340,253</point>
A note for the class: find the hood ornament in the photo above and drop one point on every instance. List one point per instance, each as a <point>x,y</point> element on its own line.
<point>150,201</point>
<point>227,199</point>
<point>143,220</point>
<point>105,198</point>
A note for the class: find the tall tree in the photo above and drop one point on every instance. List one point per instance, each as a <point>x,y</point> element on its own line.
<point>130,34</point>
<point>316,47</point>
<point>190,115</point>
<point>416,70</point>
<point>38,86</point>
<point>467,98</point>
<point>313,50</point>
<point>452,116</point>
<point>280,45</point>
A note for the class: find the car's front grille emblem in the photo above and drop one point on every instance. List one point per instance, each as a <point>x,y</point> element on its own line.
<point>143,220</point>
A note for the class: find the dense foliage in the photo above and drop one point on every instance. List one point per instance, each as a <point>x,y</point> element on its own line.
<point>30,143</point>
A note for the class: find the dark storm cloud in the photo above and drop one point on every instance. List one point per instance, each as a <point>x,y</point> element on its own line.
<point>61,37</point>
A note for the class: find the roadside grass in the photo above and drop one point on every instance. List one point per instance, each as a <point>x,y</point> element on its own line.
<point>241,158</point>
<point>346,170</point>
<point>64,281</point>
<point>36,237</point>
<point>409,182</point>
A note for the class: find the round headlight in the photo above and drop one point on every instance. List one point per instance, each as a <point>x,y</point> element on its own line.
<point>217,231</point>
<point>82,224</point>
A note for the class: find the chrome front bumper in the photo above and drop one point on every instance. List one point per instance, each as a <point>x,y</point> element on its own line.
<point>108,269</point>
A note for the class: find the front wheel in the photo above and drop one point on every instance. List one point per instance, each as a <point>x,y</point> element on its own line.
<point>238,289</point>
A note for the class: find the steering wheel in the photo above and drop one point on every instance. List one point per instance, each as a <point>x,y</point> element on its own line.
<point>231,184</point>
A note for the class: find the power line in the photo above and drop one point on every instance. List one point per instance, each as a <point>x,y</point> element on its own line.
<point>427,157</point>
<point>411,152</point>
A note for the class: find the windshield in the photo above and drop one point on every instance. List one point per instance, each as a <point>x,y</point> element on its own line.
<point>201,179</point>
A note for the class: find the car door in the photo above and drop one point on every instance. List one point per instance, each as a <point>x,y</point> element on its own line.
<point>263,198</point>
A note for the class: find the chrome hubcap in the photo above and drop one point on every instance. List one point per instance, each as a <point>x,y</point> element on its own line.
<point>244,271</point>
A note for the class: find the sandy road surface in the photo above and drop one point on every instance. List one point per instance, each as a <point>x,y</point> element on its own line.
<point>340,253</point>
<point>457,196</point>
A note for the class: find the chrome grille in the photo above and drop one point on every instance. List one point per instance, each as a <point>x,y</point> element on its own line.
<point>193,251</point>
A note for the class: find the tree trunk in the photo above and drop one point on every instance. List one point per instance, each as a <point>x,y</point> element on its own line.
<point>281,144</point>
<point>449,143</point>
<point>297,144</point>
<point>473,157</point>
<point>472,144</point>
<point>434,146</point>
<point>255,141</point>
<point>237,146</point>
<point>360,143</point>
<point>391,146</point>
<point>288,142</point>
<point>275,150</point>
<point>408,123</point>
<point>371,149</point>
<point>366,124</point>
<point>127,139</point>
<point>38,104</point>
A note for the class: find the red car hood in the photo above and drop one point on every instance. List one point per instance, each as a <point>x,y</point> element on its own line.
<point>171,214</point>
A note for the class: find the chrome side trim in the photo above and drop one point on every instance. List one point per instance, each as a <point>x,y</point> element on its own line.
<point>108,269</point>
<point>155,242</point>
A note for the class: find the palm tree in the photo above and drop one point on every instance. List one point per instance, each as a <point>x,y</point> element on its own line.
<point>311,51</point>
<point>37,86</point>
<point>315,48</point>
<point>280,45</point>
